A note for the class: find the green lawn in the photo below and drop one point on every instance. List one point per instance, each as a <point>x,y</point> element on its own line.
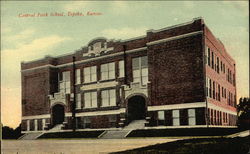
<point>198,146</point>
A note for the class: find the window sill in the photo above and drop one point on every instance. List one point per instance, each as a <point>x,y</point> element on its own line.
<point>107,106</point>
<point>107,80</point>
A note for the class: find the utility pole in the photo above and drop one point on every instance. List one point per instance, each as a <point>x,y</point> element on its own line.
<point>125,65</point>
<point>74,98</point>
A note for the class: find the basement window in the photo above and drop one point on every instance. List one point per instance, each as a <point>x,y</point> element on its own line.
<point>176,117</point>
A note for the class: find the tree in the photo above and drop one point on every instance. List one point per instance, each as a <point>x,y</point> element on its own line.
<point>10,133</point>
<point>243,109</point>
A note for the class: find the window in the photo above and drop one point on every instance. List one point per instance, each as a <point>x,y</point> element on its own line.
<point>43,124</point>
<point>234,79</point>
<point>108,97</point>
<point>176,117</point>
<point>90,74</point>
<point>161,115</point>
<point>90,99</point>
<point>87,122</point>
<point>213,90</point>
<point>218,65</point>
<point>210,88</point>
<point>212,59</point>
<point>78,101</point>
<point>218,92</point>
<point>224,68</point>
<point>121,68</point>
<point>35,123</point>
<point>64,82</point>
<point>140,70</point>
<point>28,125</point>
<point>108,71</point>
<point>208,56</point>
<point>228,74</point>
<point>221,66</point>
<point>78,76</point>
<point>222,92</point>
<point>191,117</point>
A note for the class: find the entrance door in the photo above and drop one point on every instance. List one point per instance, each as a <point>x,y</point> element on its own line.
<point>136,108</point>
<point>57,114</point>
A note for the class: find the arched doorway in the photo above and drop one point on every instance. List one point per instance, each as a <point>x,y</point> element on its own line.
<point>57,114</point>
<point>136,108</point>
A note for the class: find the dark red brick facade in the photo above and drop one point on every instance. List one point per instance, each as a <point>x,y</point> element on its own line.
<point>178,72</point>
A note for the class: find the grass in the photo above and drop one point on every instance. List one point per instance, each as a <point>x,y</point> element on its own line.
<point>197,146</point>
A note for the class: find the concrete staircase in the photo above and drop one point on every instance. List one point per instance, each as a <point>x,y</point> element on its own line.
<point>136,124</point>
<point>31,136</point>
<point>56,128</point>
<point>119,134</point>
<point>35,135</point>
<point>115,134</point>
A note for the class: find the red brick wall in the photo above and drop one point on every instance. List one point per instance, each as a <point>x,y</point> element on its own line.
<point>219,51</point>
<point>35,90</point>
<point>176,71</point>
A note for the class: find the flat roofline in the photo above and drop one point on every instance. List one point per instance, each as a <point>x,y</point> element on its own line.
<point>122,41</point>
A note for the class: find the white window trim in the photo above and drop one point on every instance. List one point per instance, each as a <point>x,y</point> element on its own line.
<point>28,125</point>
<point>109,98</point>
<point>121,68</point>
<point>108,71</point>
<point>140,71</point>
<point>91,100</point>
<point>43,124</point>
<point>193,117</point>
<point>176,118</point>
<point>91,75</point>
<point>35,123</point>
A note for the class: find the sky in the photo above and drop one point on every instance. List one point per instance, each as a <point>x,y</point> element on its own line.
<point>30,38</point>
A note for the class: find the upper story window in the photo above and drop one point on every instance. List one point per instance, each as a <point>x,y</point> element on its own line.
<point>140,69</point>
<point>208,87</point>
<point>64,82</point>
<point>221,66</point>
<point>78,101</point>
<point>224,68</point>
<point>78,76</point>
<point>90,99</point>
<point>108,71</point>
<point>212,59</point>
<point>108,97</point>
<point>90,74</point>
<point>218,65</point>
<point>121,68</point>
<point>208,56</point>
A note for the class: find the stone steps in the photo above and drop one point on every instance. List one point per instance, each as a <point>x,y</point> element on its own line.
<point>119,134</point>
<point>115,134</point>
<point>31,136</point>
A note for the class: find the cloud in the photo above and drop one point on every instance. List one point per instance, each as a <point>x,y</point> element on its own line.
<point>5,29</point>
<point>23,35</point>
<point>124,33</point>
<point>35,47</point>
<point>11,58</point>
<point>10,72</point>
<point>76,6</point>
